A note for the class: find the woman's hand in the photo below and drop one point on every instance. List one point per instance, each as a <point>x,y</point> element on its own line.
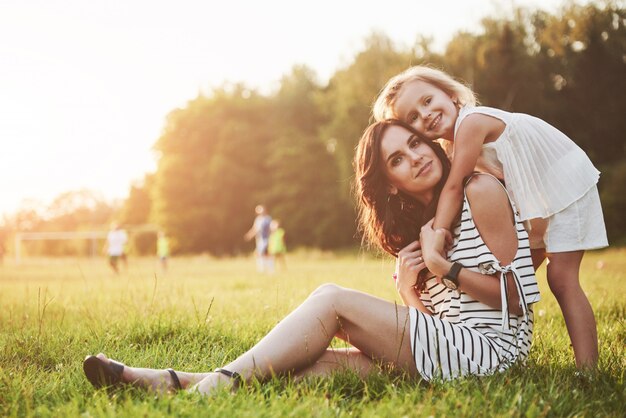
<point>408,264</point>
<point>433,249</point>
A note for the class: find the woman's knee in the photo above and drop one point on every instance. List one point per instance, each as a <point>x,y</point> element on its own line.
<point>329,295</point>
<point>327,289</point>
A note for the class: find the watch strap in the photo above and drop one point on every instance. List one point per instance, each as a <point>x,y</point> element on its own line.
<point>453,273</point>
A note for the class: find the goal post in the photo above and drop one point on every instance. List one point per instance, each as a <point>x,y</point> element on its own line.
<point>92,236</point>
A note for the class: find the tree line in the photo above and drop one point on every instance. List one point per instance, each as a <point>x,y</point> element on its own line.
<point>228,150</point>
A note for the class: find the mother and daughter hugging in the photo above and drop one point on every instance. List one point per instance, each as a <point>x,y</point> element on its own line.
<point>468,223</point>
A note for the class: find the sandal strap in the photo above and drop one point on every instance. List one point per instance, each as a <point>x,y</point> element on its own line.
<point>233,375</point>
<point>175,379</point>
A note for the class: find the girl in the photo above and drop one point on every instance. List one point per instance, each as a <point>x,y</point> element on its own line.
<point>550,178</point>
<point>474,329</point>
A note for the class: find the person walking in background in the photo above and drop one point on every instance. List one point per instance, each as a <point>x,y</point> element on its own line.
<point>163,249</point>
<point>116,243</point>
<point>261,231</point>
<point>277,247</point>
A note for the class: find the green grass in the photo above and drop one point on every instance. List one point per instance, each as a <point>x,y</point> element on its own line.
<point>206,311</point>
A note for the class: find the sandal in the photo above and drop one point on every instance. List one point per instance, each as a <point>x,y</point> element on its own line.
<point>175,379</point>
<point>101,373</point>
<point>236,377</point>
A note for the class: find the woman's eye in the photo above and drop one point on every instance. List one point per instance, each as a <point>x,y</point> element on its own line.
<point>415,143</point>
<point>428,100</point>
<point>396,161</point>
<point>412,117</point>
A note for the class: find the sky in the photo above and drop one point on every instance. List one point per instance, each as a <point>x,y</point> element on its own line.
<point>85,86</point>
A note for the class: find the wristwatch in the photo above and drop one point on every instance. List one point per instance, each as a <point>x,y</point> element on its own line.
<point>451,279</point>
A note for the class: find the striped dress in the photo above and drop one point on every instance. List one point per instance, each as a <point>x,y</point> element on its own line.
<point>464,336</point>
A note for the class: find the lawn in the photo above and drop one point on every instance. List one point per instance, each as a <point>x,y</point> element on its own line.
<point>205,311</point>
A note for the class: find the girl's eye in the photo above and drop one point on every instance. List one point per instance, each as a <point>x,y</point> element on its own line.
<point>412,118</point>
<point>415,143</point>
<point>396,161</point>
<point>428,100</point>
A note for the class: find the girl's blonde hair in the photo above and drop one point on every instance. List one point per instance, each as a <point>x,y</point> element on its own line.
<point>384,104</point>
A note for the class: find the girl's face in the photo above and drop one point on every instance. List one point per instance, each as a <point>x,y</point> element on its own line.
<point>430,110</point>
<point>409,164</point>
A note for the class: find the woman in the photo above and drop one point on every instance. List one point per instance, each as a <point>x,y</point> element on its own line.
<point>479,327</point>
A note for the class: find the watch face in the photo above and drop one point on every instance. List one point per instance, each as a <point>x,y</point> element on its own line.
<point>449,283</point>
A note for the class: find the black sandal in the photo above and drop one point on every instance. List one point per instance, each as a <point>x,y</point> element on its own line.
<point>101,373</point>
<point>175,380</point>
<point>236,377</point>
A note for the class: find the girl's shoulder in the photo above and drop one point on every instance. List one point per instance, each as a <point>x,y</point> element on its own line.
<point>484,110</point>
<point>480,122</point>
<point>490,112</point>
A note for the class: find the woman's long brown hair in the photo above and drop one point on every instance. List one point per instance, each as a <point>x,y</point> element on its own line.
<point>390,222</point>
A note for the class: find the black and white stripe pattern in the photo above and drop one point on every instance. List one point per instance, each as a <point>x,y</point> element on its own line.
<point>465,336</point>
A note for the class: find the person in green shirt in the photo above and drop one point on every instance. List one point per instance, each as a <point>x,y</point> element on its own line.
<point>277,247</point>
<point>163,249</point>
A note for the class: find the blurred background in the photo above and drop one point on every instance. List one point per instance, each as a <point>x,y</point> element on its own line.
<point>183,116</point>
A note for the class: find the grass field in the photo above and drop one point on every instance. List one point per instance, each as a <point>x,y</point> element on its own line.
<point>205,311</point>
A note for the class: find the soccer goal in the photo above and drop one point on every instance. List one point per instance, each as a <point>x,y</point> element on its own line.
<point>92,236</point>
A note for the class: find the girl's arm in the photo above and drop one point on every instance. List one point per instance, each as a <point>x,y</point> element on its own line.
<point>475,130</point>
<point>408,264</point>
<point>493,216</point>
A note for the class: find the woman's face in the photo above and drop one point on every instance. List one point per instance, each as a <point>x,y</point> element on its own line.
<point>409,164</point>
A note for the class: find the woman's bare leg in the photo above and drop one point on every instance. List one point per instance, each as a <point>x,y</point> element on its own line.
<point>379,329</point>
<point>299,343</point>
<point>340,359</point>
<point>563,272</point>
<point>157,380</point>
<point>333,359</point>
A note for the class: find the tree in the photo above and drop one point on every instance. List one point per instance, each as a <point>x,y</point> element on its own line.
<point>350,94</point>
<point>305,190</point>
<point>137,206</point>
<point>292,149</point>
<point>213,155</point>
<point>594,55</point>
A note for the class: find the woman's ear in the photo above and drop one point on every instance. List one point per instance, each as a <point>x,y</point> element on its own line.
<point>392,189</point>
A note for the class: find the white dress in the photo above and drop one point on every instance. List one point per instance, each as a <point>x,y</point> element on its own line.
<point>543,169</point>
<point>465,336</point>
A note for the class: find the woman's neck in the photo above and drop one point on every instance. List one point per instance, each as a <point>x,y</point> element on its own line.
<point>425,197</point>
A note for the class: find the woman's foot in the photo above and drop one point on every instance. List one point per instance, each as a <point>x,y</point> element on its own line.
<point>159,381</point>
<point>102,373</point>
<point>215,381</point>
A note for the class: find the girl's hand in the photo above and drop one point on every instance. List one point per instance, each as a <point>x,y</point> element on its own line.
<point>433,248</point>
<point>409,263</point>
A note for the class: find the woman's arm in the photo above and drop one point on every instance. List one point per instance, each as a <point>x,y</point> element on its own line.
<point>408,265</point>
<point>494,219</point>
<point>475,130</point>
